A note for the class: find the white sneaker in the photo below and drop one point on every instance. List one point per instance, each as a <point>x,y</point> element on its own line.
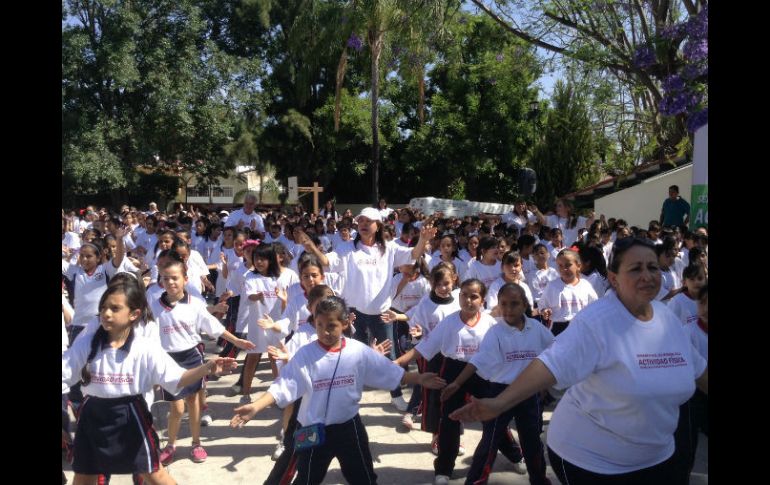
<point>441,480</point>
<point>206,419</point>
<point>399,402</point>
<point>278,451</point>
<point>520,467</point>
<point>461,450</point>
<point>408,421</point>
<point>245,399</point>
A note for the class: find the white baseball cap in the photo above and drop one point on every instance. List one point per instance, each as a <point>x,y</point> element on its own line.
<point>369,213</point>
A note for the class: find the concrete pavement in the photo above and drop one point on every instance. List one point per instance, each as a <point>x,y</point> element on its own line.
<point>243,456</point>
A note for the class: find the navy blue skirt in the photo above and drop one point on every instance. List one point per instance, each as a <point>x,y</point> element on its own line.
<point>188,359</point>
<point>115,435</point>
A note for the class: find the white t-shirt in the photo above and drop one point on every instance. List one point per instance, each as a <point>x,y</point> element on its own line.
<point>626,379</point>
<point>598,282</point>
<point>569,235</point>
<point>180,325</point>
<point>460,265</point>
<point>540,279</point>
<point>308,375</point>
<point>88,289</point>
<point>669,281</point>
<point>130,370</point>
<point>699,339</point>
<point>427,314</point>
<point>238,216</point>
<point>410,294</point>
<point>494,288</point>
<point>520,222</point>
<point>147,241</point>
<point>486,273</point>
<point>296,312</point>
<point>255,284</point>
<point>454,339</point>
<point>564,300</point>
<point>367,272</point>
<point>505,350</point>
<point>685,308</point>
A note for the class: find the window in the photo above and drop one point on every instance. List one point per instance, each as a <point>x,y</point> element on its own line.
<point>221,191</point>
<point>197,192</point>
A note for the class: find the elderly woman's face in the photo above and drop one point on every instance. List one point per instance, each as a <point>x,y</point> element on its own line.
<point>638,278</point>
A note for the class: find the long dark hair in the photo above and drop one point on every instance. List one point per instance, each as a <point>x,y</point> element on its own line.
<point>379,237</point>
<point>135,300</point>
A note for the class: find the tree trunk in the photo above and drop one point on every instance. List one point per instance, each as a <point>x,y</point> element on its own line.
<point>421,104</point>
<point>375,41</point>
<point>341,67</point>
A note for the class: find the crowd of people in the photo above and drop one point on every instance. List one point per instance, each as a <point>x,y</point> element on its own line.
<point>503,315</point>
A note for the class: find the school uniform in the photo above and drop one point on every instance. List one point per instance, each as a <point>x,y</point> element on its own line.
<point>565,301</point>
<point>330,384</point>
<point>460,265</point>
<point>486,273</point>
<point>569,234</point>
<point>255,284</point>
<point>458,342</point>
<point>114,431</point>
<point>539,280</point>
<point>427,314</point>
<point>179,327</point>
<point>684,307</point>
<point>494,289</point>
<point>504,353</point>
<point>598,282</point>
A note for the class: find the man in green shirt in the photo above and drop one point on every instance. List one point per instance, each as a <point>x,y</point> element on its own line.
<point>676,210</point>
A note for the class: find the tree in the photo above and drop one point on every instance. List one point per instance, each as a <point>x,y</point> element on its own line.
<point>565,157</point>
<point>143,86</point>
<point>640,43</point>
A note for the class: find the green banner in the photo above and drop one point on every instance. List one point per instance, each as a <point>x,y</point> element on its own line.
<point>699,207</point>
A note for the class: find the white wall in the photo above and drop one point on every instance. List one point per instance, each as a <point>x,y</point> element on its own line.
<point>640,204</point>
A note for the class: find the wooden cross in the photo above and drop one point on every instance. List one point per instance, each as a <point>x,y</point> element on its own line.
<point>315,189</point>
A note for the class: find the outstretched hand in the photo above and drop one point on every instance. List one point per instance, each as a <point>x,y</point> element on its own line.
<point>476,410</point>
<point>242,415</point>
<point>431,380</point>
<point>383,347</point>
<point>224,365</point>
<point>278,354</point>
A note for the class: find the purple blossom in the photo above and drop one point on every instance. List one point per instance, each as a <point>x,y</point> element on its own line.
<point>673,83</point>
<point>698,119</point>
<point>694,71</point>
<point>679,103</point>
<point>499,57</point>
<point>698,26</point>
<point>696,50</point>
<point>644,56</point>
<point>674,32</point>
<point>355,43</point>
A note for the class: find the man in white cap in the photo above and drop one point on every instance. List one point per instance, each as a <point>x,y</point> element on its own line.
<point>247,216</point>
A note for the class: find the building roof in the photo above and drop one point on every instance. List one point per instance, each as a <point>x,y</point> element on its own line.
<point>585,197</point>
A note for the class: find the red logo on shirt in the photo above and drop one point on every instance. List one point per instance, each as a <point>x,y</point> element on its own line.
<point>342,381</point>
<point>658,361</point>
<point>176,328</point>
<point>520,355</point>
<point>112,379</point>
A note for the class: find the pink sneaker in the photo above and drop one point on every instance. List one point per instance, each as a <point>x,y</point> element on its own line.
<point>198,454</point>
<point>167,455</point>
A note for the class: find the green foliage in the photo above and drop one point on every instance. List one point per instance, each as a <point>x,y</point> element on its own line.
<point>565,158</point>
<point>144,86</point>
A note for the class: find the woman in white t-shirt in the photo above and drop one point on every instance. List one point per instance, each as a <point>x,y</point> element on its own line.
<point>569,222</point>
<point>629,364</point>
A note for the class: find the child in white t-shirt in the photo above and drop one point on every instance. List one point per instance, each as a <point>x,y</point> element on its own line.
<point>486,266</point>
<point>562,299</point>
<point>542,275</point>
<point>507,348</point>
<point>329,375</point>
<point>116,366</point>
<point>684,304</point>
